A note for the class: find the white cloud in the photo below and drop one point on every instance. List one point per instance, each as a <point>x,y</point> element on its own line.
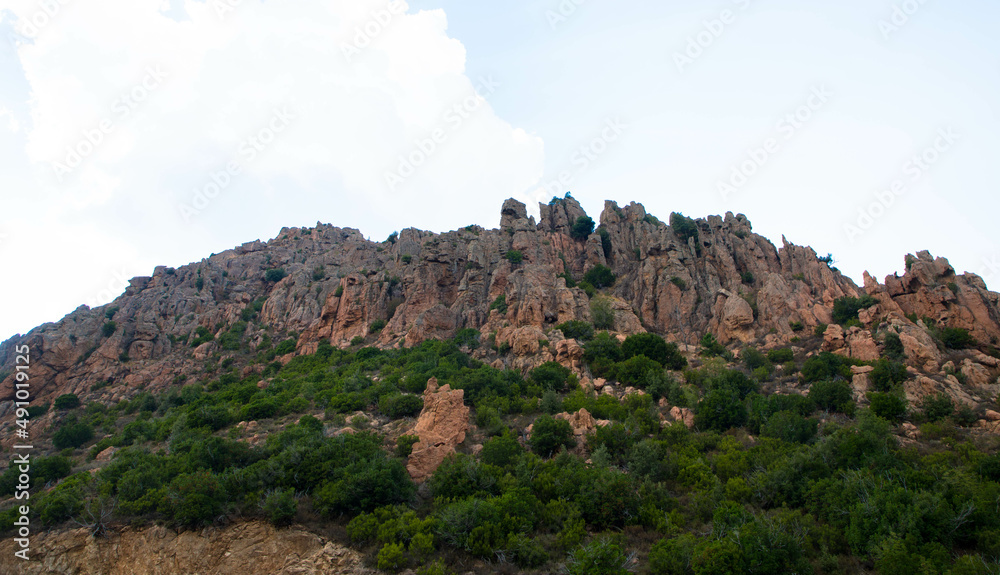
<point>145,145</point>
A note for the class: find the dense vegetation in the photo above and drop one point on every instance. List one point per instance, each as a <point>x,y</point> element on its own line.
<point>765,483</point>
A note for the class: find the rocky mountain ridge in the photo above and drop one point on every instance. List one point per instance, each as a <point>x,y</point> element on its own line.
<point>327,283</point>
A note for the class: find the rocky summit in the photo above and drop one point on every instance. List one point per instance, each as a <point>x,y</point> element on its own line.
<point>715,275</point>
<point>540,396</point>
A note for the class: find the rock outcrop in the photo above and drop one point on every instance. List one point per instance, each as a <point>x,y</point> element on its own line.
<point>252,548</point>
<point>441,427</point>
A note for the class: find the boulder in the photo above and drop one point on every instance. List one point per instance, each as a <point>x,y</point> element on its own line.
<point>441,426</point>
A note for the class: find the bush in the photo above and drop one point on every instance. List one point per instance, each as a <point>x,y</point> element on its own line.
<point>279,506</point>
<point>404,445</point>
<point>514,256</point>
<point>275,275</point>
<point>72,434</point>
<point>683,227</point>
<point>550,375</point>
<point>502,450</point>
<point>826,365</point>
<point>109,328</point>
<point>790,426</point>
<point>406,258</point>
<point>582,228</point>
<point>357,340</point>
<point>783,355</point>
<point>747,278</point>
<point>600,276</point>
<point>846,308</point>
<point>956,338</point>
<point>655,348</point>
<point>887,374</point>
<point>832,396</point>
<point>894,347</point>
<point>397,405</point>
<point>710,347</point>
<point>576,329</point>
<point>599,557</point>
<point>605,241</point>
<point>938,406</point>
<point>193,499</point>
<point>467,337</point>
<point>67,401</point>
<point>390,557</point>
<point>602,313</point>
<point>500,304</point>
<point>365,485</point>
<point>636,370</point>
<point>888,405</point>
<point>720,409</point>
<point>549,434</point>
<point>376,326</point>
<point>672,556</point>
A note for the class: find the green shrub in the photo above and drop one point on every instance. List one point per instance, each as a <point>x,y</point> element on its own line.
<point>605,241</point>
<point>655,348</point>
<point>710,347</point>
<point>404,445</point>
<point>397,405</point>
<point>202,336</point>
<point>887,374</point>
<point>576,329</point>
<point>582,228</point>
<point>391,557</point>
<point>783,355</point>
<point>637,370</point>
<point>599,557</point>
<point>679,282</point>
<point>467,337</point>
<point>889,406</point>
<point>720,409</point>
<point>550,375</point>
<point>747,278</point>
<point>275,275</point>
<point>832,396</point>
<point>937,407</point>
<point>956,338</point>
<point>826,365</point>
<point>550,434</point>
<point>109,328</point>
<point>820,330</point>
<point>894,347</point>
<point>365,485</point>
<point>72,434</point>
<point>193,499</point>
<point>67,401</point>
<point>600,276</point>
<point>502,450</point>
<point>514,256</point>
<point>357,340</point>
<point>796,325</point>
<point>376,326</point>
<point>790,426</point>
<point>406,258</point>
<point>683,227</point>
<point>279,506</point>
<point>602,313</point>
<point>500,304</point>
<point>339,292</point>
<point>672,556</point>
<point>846,308</point>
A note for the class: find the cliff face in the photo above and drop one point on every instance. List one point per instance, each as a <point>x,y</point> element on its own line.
<point>724,279</point>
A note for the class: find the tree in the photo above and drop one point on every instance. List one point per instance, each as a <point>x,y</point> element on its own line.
<point>720,409</point>
<point>274,275</point>
<point>846,308</point>
<point>582,228</point>
<point>550,375</point>
<point>549,434</point>
<point>887,374</point>
<point>599,557</point>
<point>684,228</point>
<point>888,405</point>
<point>600,276</point>
<point>832,395</point>
<point>67,401</point>
<point>602,313</point>
<point>655,348</point>
<point>956,338</point>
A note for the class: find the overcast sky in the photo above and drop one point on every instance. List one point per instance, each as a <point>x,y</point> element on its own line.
<point>136,133</point>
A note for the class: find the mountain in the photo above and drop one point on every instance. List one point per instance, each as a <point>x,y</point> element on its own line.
<point>520,302</point>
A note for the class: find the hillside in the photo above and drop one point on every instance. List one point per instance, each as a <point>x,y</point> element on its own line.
<point>627,395</point>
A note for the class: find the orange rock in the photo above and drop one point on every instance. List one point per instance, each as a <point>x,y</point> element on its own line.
<point>441,427</point>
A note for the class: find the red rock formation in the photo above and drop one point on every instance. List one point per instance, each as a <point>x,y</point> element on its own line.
<point>441,427</point>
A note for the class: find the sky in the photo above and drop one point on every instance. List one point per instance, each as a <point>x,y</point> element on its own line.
<point>137,133</point>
